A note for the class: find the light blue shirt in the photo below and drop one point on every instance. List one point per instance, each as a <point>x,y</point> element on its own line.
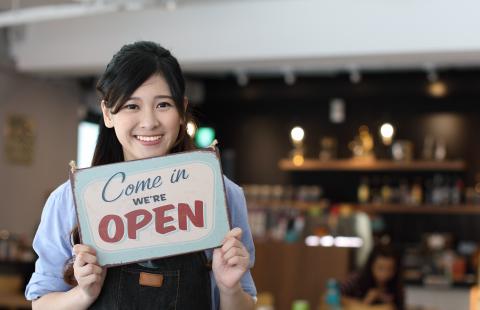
<point>53,247</point>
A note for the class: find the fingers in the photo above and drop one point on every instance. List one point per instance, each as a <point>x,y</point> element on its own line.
<point>78,248</point>
<point>233,251</point>
<point>89,269</point>
<point>232,247</point>
<point>234,233</point>
<point>84,258</point>
<point>85,265</point>
<point>84,254</point>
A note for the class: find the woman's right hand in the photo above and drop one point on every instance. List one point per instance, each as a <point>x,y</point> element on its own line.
<point>89,275</point>
<point>372,295</point>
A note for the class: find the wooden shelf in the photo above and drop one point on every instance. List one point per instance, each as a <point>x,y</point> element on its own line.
<point>278,204</point>
<point>421,209</point>
<point>371,165</point>
<point>374,208</point>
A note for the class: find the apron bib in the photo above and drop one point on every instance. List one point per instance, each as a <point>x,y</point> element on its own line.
<point>177,282</point>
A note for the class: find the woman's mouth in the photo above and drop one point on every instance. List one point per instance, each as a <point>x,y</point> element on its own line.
<point>149,140</point>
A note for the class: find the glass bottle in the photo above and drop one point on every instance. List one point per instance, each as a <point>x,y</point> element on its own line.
<point>333,297</point>
<point>363,192</point>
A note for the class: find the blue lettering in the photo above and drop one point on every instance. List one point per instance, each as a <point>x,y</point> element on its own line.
<point>129,190</point>
<point>122,174</point>
<point>138,201</point>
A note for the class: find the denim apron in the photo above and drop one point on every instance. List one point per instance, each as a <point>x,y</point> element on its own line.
<point>185,285</point>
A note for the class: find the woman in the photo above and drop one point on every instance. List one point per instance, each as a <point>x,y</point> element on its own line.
<point>145,113</point>
<point>379,283</point>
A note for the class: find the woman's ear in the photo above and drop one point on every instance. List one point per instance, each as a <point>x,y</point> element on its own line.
<point>107,115</point>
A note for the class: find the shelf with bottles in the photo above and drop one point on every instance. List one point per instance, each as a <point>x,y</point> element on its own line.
<point>438,260</point>
<point>394,208</point>
<point>418,209</point>
<point>438,194</point>
<point>283,196</point>
<point>286,213</point>
<point>311,164</point>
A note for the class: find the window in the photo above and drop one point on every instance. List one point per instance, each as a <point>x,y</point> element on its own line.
<point>87,139</point>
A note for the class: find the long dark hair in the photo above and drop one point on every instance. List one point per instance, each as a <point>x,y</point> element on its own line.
<point>129,68</point>
<point>366,280</point>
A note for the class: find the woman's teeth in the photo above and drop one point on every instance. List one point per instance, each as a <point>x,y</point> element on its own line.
<point>148,138</point>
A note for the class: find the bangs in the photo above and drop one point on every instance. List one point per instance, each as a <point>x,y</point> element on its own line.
<point>128,78</point>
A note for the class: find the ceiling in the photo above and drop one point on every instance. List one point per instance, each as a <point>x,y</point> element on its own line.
<point>250,36</point>
<point>20,12</point>
<point>16,4</point>
<point>11,4</point>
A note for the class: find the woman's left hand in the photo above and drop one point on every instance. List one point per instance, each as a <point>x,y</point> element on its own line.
<point>230,261</point>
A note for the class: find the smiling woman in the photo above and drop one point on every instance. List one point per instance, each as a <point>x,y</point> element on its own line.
<point>145,113</point>
<point>148,123</point>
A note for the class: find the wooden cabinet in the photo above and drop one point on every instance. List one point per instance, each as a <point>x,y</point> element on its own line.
<point>296,271</point>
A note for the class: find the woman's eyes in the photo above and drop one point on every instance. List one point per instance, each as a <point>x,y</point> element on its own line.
<point>164,105</point>
<point>161,105</point>
<point>130,106</point>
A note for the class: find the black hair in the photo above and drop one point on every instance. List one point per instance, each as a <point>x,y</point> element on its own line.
<point>129,68</point>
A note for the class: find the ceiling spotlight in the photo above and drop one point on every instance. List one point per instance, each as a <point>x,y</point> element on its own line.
<point>171,5</point>
<point>432,75</point>
<point>289,77</point>
<point>436,88</point>
<point>242,78</point>
<point>355,75</point>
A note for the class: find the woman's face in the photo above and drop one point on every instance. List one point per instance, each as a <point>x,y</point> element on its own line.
<point>148,123</point>
<point>383,269</point>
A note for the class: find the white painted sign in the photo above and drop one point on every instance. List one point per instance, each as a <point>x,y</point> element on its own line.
<point>143,209</point>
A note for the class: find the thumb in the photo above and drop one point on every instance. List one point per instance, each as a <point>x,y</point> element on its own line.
<point>235,233</point>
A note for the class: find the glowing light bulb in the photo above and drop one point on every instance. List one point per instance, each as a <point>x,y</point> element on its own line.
<point>387,131</point>
<point>297,134</point>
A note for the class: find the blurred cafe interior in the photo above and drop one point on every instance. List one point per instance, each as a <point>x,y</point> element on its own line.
<point>351,126</point>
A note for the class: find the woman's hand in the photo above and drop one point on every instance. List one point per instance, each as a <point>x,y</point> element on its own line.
<point>376,294</point>
<point>89,275</point>
<point>230,262</point>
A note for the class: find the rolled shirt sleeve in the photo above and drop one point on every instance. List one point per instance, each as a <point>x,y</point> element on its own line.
<point>52,244</point>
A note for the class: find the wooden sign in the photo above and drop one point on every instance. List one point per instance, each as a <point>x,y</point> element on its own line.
<point>151,208</point>
<point>19,134</point>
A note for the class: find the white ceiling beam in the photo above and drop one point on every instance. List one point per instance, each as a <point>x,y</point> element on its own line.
<point>32,15</point>
<point>266,36</point>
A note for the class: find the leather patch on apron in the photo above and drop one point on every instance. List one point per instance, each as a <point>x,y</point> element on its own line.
<point>150,279</point>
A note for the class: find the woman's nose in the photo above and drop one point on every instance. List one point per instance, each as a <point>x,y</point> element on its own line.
<point>149,119</point>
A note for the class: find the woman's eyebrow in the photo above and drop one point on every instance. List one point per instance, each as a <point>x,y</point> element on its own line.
<point>156,97</point>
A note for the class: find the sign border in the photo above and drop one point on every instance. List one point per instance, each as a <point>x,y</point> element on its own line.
<point>105,258</point>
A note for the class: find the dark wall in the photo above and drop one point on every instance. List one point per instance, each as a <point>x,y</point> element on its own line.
<point>255,122</point>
